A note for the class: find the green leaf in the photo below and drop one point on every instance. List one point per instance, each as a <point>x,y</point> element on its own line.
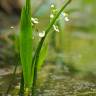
<point>26,43</point>
<point>42,55</point>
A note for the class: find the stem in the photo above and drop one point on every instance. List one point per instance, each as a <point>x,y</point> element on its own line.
<point>21,93</point>
<point>13,76</point>
<point>36,56</point>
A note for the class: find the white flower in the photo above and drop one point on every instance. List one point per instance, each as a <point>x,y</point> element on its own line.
<point>42,34</point>
<point>34,20</point>
<point>66,19</point>
<point>51,16</point>
<point>56,28</point>
<point>52,6</point>
<point>12,27</point>
<point>65,15</point>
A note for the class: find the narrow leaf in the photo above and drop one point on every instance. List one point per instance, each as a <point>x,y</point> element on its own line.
<point>42,55</point>
<point>26,43</point>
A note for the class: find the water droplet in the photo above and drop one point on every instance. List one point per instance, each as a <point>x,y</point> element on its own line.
<point>66,19</point>
<point>42,34</point>
<point>34,20</point>
<point>56,28</point>
<point>12,27</point>
<point>51,16</point>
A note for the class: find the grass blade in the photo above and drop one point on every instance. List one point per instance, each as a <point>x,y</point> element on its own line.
<point>26,43</point>
<point>42,55</point>
<point>21,93</point>
<point>13,75</point>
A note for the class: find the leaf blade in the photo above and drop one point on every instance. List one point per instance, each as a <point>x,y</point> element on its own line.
<point>26,43</point>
